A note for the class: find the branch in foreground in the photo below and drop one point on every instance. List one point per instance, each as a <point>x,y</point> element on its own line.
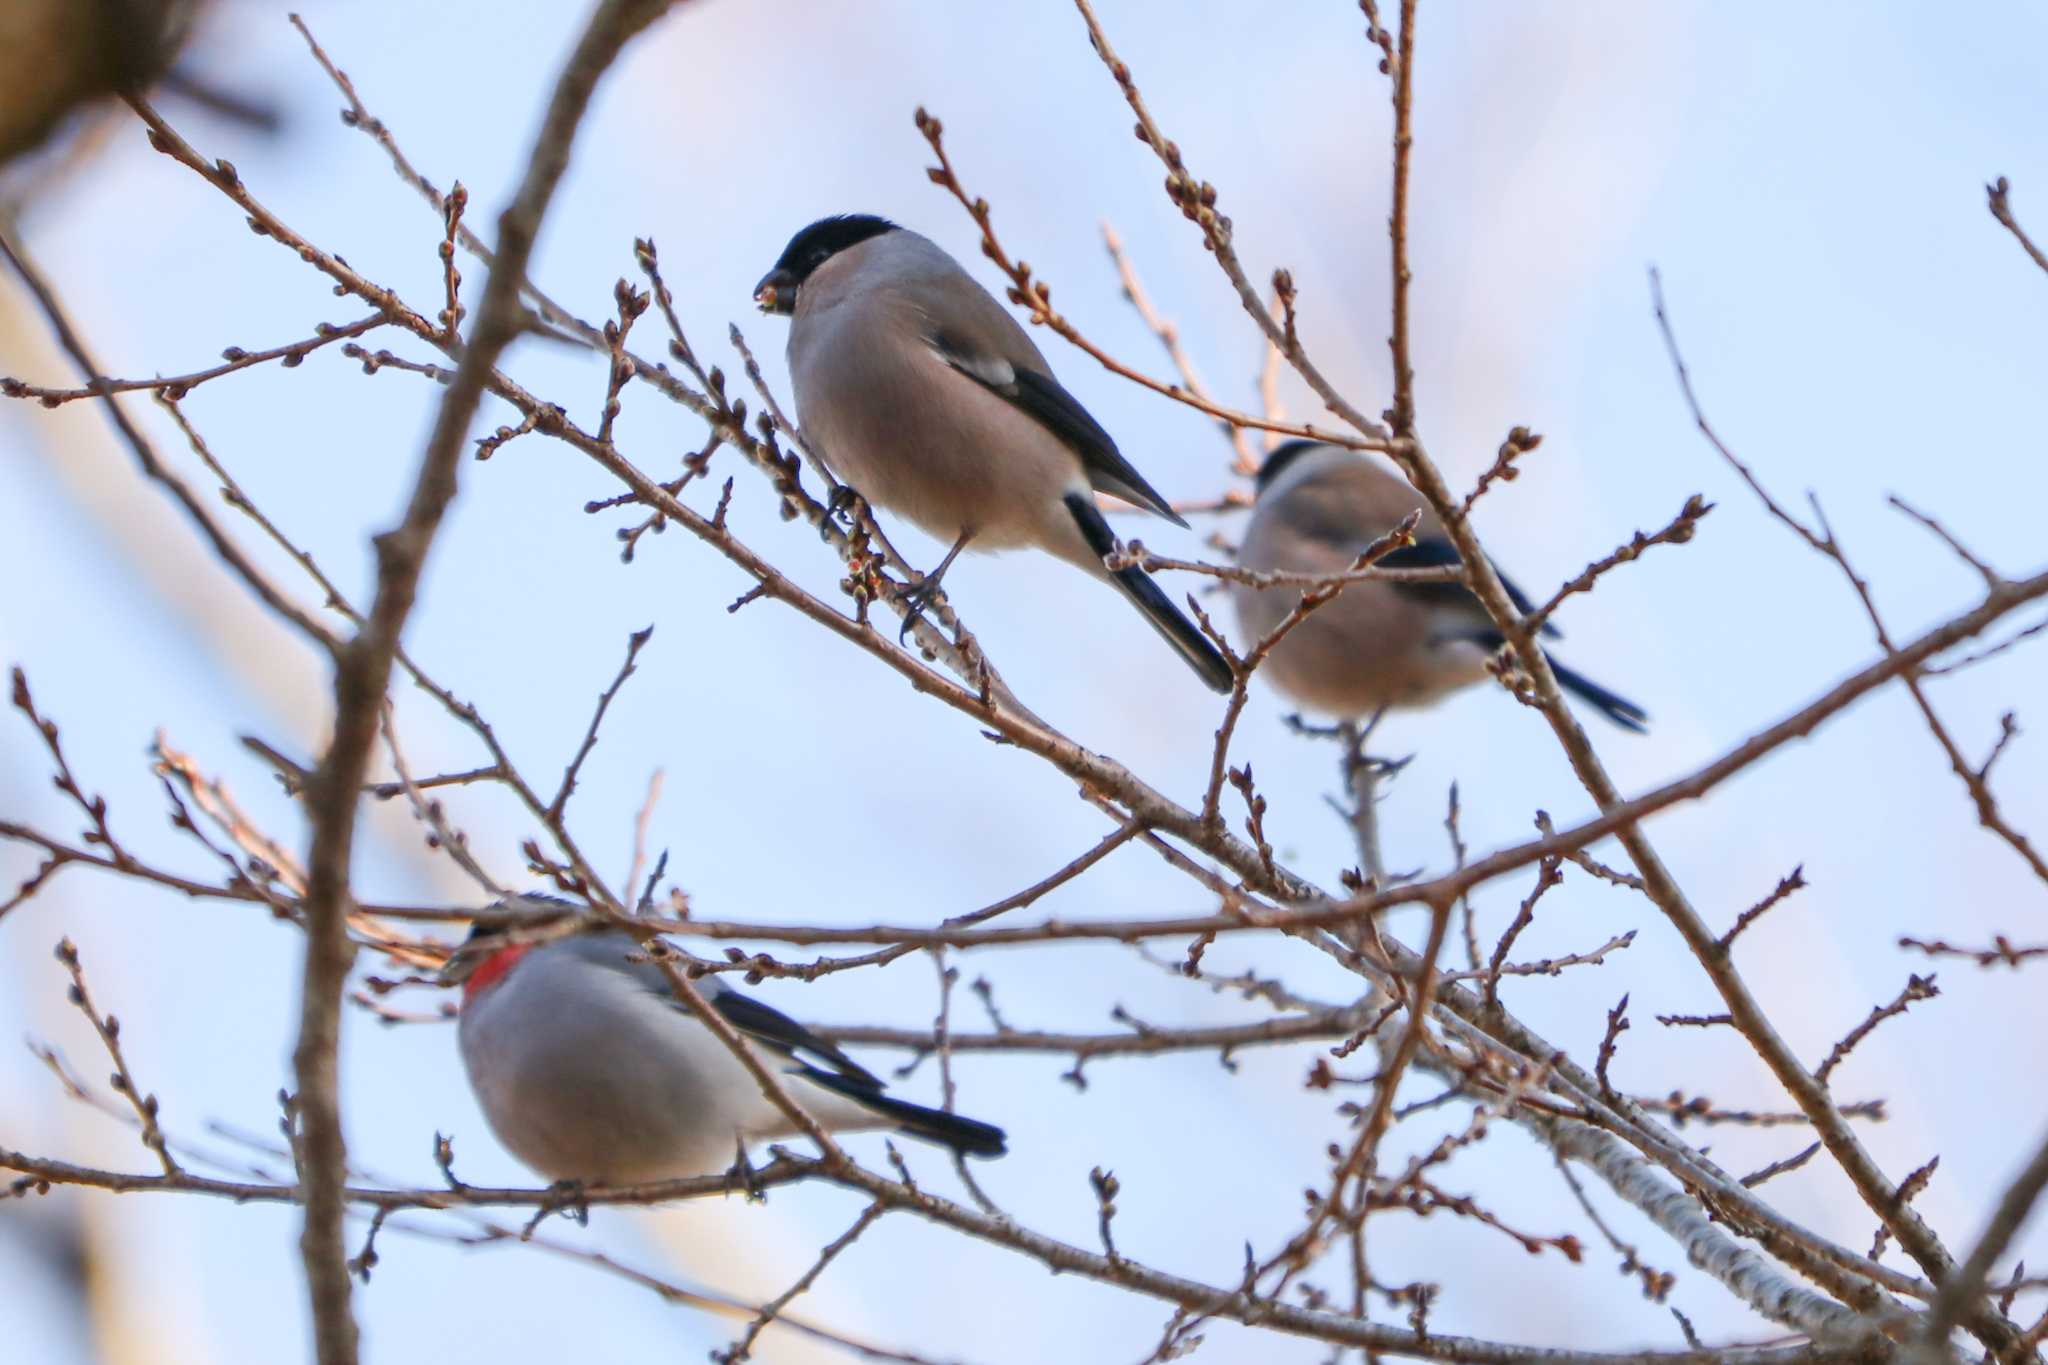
<point>363,673</point>
<point>152,466</point>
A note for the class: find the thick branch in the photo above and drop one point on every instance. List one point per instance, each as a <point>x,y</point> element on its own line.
<point>1746,1274</point>
<point>364,671</point>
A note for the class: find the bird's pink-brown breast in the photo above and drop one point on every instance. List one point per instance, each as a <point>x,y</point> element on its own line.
<point>1370,646</point>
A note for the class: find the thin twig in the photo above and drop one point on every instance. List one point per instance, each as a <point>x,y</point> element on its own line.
<point>634,644</point>
<point>1917,988</point>
<point>1792,881</point>
<point>1028,292</point>
<point>743,1348</point>
<point>363,671</point>
<point>175,387</point>
<point>123,1080</point>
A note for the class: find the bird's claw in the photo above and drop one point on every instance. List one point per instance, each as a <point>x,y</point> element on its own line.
<point>916,600</point>
<point>743,1171</point>
<point>565,1197</point>
<point>569,1201</point>
<point>838,507</point>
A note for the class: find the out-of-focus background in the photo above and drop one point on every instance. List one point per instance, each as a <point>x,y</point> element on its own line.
<point>1810,183</point>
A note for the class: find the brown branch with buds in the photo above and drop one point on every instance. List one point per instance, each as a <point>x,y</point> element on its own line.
<point>1425,1022</point>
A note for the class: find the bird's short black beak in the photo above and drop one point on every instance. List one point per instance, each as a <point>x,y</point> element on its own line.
<point>776,293</point>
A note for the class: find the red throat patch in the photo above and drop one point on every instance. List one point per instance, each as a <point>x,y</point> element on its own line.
<point>492,969</point>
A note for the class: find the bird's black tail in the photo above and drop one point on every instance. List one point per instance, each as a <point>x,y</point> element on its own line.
<point>1137,585</point>
<point>969,1137</point>
<point>1620,710</point>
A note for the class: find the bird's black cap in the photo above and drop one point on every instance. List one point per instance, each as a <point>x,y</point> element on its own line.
<point>811,248</point>
<point>1281,456</point>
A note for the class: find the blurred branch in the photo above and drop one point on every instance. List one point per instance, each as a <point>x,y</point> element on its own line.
<point>363,671</point>
<point>1134,553</point>
<point>2001,208</point>
<point>2001,953</point>
<point>1246,463</point>
<point>153,467</point>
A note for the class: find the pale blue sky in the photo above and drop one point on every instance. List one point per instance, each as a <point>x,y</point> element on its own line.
<point>1811,184</point>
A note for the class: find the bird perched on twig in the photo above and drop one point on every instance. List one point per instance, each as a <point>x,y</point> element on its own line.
<point>920,391</point>
<point>1376,644</point>
<point>591,1070</point>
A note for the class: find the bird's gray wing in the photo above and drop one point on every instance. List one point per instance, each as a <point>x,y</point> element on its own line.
<point>1038,395</point>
